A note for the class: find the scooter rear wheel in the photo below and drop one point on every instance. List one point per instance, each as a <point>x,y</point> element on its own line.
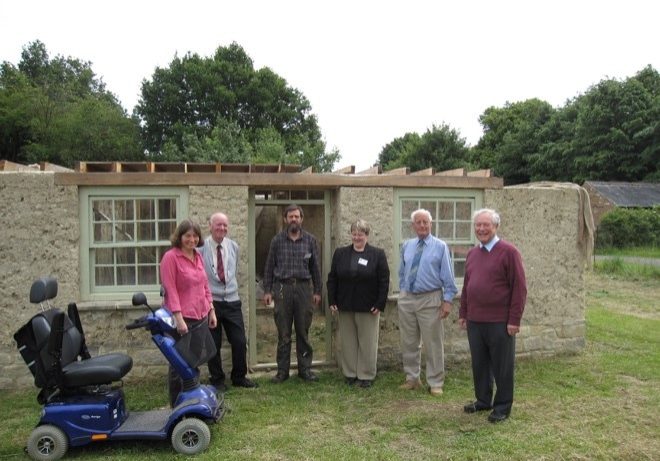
<point>191,436</point>
<point>47,443</point>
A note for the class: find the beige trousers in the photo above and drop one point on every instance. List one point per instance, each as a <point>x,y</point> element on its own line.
<point>358,344</point>
<point>420,323</point>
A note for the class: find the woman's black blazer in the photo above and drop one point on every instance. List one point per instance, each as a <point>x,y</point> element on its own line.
<point>359,292</point>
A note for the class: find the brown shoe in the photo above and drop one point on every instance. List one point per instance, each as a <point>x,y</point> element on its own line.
<point>411,385</point>
<point>435,391</point>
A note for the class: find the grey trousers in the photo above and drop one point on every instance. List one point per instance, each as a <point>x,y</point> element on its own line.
<point>293,307</point>
<point>493,354</point>
<point>358,344</point>
<point>420,323</point>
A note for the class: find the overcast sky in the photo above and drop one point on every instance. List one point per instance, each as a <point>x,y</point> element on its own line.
<point>372,70</point>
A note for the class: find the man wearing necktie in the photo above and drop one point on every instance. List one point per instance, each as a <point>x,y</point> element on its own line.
<point>220,255</point>
<point>492,304</point>
<point>426,292</point>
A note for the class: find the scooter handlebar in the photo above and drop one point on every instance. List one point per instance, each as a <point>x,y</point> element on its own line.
<point>138,323</point>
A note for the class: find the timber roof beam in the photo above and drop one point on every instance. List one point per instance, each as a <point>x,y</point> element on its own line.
<point>259,175</point>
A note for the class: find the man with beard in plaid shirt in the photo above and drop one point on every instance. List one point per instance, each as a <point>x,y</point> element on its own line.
<point>292,278</point>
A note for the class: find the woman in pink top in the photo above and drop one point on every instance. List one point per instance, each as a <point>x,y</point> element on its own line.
<point>187,293</point>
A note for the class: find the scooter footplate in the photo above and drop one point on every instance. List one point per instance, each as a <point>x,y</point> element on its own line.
<point>149,421</point>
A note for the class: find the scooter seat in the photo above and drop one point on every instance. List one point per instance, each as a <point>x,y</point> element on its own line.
<point>103,369</point>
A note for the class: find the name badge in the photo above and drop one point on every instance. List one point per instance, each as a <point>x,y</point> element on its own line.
<point>307,256</point>
<point>362,262</point>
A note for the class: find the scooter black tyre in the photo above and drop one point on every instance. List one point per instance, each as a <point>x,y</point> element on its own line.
<point>191,436</point>
<point>47,443</point>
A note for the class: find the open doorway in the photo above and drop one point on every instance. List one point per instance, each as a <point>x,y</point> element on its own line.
<point>266,220</point>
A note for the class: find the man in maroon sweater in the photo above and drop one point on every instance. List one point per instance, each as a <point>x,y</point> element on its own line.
<point>492,303</point>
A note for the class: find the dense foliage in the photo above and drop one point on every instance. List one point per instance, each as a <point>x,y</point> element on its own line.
<point>441,148</point>
<point>627,227</point>
<point>513,136</point>
<point>197,109</point>
<point>610,133</point>
<point>221,109</point>
<point>56,110</point>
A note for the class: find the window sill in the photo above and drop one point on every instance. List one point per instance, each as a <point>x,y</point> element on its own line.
<point>104,306</point>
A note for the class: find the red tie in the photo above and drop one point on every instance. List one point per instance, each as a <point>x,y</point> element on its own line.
<point>221,266</point>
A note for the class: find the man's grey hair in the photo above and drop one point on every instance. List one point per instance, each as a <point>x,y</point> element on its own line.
<point>215,215</point>
<point>421,211</point>
<point>494,215</point>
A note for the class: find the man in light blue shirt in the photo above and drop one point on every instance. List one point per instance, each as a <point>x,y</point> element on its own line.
<point>426,292</point>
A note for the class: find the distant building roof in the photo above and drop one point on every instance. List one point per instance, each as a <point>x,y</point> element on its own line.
<point>628,194</point>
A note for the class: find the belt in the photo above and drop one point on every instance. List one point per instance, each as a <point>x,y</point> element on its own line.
<point>420,293</point>
<point>293,281</point>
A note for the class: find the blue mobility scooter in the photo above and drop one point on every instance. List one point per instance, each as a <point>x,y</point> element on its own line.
<point>81,404</point>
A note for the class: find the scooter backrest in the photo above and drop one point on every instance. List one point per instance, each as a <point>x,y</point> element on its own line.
<point>46,327</point>
<point>72,342</point>
<point>43,289</point>
<point>33,343</point>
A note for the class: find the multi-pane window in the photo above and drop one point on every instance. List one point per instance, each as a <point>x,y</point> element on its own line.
<point>452,220</point>
<point>127,235</point>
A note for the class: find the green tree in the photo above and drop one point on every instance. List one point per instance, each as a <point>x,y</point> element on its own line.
<point>617,133</point>
<point>226,143</point>
<point>513,134</point>
<point>223,101</point>
<point>610,133</point>
<point>89,129</point>
<point>440,147</point>
<point>555,159</point>
<point>56,110</point>
<point>16,98</point>
<point>393,153</point>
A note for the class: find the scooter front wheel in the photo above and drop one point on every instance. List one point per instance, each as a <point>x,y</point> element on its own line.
<point>47,442</point>
<point>191,436</point>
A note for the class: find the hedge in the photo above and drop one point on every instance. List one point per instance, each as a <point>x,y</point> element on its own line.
<point>629,227</point>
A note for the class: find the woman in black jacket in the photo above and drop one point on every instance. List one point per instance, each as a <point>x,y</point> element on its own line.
<point>358,284</point>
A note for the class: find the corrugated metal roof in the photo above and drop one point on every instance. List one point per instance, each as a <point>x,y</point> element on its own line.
<point>629,194</point>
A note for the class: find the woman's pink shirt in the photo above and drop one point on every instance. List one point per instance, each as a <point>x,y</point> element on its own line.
<point>186,286</point>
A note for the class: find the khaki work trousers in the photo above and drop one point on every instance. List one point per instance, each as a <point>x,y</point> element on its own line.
<point>420,323</point>
<point>358,344</point>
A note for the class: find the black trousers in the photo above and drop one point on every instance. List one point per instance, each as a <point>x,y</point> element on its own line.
<point>174,382</point>
<point>493,354</point>
<point>293,307</point>
<point>230,317</point>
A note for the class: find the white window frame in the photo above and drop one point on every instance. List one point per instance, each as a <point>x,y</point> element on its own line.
<point>90,292</point>
<point>472,196</point>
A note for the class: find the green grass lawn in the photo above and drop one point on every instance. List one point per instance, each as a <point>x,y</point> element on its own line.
<point>641,252</point>
<point>618,269</point>
<point>600,404</point>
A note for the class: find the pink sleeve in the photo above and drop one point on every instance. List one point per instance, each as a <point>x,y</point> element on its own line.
<point>209,296</point>
<point>207,290</point>
<point>168,279</point>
